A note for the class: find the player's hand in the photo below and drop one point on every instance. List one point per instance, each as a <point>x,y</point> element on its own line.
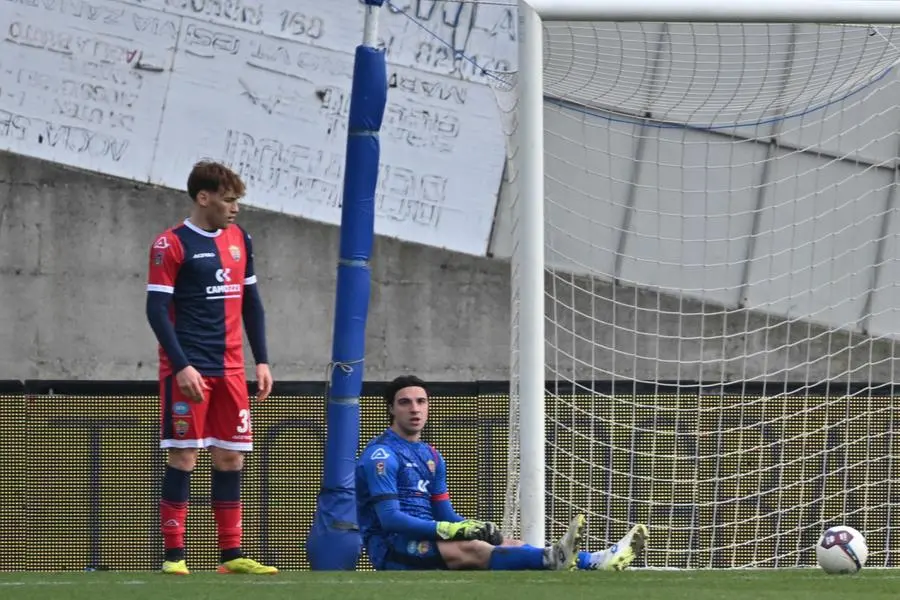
<point>191,383</point>
<point>264,379</point>
<point>462,530</point>
<point>491,534</point>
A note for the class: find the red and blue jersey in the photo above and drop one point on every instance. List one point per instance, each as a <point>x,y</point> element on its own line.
<point>205,274</point>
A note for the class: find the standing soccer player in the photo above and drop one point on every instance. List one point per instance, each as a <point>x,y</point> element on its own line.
<point>201,286</point>
<point>408,522</point>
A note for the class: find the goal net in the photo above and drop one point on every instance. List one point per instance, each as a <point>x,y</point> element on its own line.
<point>715,281</point>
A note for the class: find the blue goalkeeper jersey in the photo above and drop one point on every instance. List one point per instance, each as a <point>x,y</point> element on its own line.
<point>393,468</point>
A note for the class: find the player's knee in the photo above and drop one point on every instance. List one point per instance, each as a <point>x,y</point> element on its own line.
<point>226,460</point>
<point>183,459</point>
<point>473,554</point>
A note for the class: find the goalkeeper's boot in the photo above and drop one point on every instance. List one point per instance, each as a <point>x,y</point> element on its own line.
<point>175,567</point>
<point>563,555</point>
<point>245,566</point>
<point>621,554</point>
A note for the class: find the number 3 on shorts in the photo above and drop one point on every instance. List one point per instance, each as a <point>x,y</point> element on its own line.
<point>244,416</point>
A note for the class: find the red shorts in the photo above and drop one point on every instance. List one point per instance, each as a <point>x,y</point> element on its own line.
<point>222,419</point>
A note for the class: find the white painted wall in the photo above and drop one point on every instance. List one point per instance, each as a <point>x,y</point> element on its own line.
<point>142,89</point>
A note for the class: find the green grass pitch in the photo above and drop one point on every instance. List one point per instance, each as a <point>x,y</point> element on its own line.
<point>787,584</point>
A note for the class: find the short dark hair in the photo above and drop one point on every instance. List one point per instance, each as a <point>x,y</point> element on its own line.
<point>404,381</point>
<point>207,176</point>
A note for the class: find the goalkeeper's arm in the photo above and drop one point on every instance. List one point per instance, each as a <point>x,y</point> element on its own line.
<point>443,510</point>
<point>441,506</point>
<point>394,520</point>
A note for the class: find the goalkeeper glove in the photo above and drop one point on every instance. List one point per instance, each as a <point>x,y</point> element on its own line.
<point>491,534</point>
<point>463,530</point>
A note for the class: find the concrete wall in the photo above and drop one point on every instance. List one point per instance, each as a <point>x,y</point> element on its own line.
<point>73,254</point>
<point>73,260</point>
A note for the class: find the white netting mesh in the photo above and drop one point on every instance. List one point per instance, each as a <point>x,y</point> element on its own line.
<point>702,74</point>
<point>721,286</point>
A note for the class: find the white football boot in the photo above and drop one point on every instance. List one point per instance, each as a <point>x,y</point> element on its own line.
<point>563,555</point>
<point>621,554</point>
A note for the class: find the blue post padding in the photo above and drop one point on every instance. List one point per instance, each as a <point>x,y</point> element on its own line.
<point>334,540</point>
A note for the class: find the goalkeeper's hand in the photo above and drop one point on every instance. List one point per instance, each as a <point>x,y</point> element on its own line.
<point>469,529</point>
<point>491,534</point>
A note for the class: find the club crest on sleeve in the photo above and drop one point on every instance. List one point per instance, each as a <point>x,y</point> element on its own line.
<point>235,252</point>
<point>379,468</point>
<point>380,454</point>
<point>431,466</point>
<point>158,258</point>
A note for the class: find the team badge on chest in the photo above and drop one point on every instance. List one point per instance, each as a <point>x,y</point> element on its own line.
<point>235,252</point>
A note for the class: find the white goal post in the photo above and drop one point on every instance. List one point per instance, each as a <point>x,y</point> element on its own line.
<point>534,278</point>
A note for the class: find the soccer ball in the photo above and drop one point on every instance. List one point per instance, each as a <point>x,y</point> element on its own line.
<point>842,550</point>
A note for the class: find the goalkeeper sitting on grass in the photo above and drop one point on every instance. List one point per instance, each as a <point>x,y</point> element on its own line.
<point>408,522</point>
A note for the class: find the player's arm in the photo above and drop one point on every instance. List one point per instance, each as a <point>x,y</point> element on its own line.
<point>442,508</point>
<point>441,505</point>
<point>380,469</point>
<point>252,309</point>
<point>166,256</point>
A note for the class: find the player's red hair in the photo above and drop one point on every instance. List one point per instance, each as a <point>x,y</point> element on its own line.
<point>209,176</point>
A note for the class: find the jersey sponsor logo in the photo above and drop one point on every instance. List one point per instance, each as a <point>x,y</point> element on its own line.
<point>181,408</point>
<point>422,486</point>
<point>235,252</point>
<point>380,454</point>
<point>204,255</point>
<point>161,243</point>
<point>223,276</point>
<point>223,289</point>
